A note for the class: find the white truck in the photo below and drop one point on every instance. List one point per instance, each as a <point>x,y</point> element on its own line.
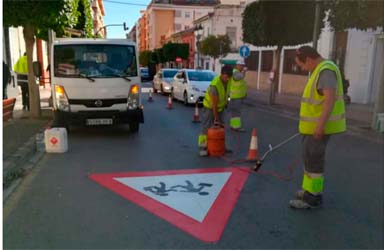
<point>95,82</point>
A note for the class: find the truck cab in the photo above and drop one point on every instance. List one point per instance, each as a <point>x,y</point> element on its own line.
<point>96,82</point>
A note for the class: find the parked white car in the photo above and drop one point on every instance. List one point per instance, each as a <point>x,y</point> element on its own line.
<point>162,80</point>
<point>190,85</point>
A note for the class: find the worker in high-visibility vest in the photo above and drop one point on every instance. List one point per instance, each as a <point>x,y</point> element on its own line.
<point>237,95</point>
<point>322,114</point>
<point>21,69</point>
<point>214,103</point>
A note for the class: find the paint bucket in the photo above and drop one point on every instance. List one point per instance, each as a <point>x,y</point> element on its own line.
<point>380,122</point>
<point>56,140</point>
<point>216,141</point>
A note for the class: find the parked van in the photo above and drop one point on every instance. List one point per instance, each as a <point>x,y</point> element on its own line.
<point>96,82</point>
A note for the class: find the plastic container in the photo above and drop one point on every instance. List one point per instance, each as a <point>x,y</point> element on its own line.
<point>216,141</point>
<point>56,140</point>
<point>380,122</point>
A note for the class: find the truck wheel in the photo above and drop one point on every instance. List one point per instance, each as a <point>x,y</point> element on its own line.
<point>134,127</point>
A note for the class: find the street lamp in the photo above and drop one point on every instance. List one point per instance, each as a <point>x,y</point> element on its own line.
<point>198,29</point>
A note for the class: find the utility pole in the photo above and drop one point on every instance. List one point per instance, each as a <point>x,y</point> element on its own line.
<point>316,25</point>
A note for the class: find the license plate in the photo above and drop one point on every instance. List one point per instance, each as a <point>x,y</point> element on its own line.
<point>99,121</point>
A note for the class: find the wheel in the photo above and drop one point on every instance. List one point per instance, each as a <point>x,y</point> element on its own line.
<point>185,99</point>
<point>154,89</point>
<point>134,127</point>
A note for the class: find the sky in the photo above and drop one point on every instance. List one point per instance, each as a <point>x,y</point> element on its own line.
<point>120,11</point>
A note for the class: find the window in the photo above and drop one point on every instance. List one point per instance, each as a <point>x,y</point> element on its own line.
<point>94,60</point>
<point>231,32</point>
<point>178,13</point>
<point>187,14</point>
<point>200,76</point>
<point>169,73</point>
<point>177,26</point>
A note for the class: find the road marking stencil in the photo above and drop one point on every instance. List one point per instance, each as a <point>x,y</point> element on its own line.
<point>198,201</point>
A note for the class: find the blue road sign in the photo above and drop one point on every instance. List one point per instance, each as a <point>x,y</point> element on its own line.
<point>244,51</point>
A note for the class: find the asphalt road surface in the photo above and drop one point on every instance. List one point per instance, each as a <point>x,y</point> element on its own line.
<point>58,206</point>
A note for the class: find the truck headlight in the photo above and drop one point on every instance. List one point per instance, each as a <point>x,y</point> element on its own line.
<point>62,102</point>
<point>133,97</point>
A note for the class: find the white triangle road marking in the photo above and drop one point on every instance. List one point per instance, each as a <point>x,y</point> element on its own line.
<point>189,194</point>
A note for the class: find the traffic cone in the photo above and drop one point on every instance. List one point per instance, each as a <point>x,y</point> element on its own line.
<point>196,114</point>
<point>150,99</point>
<point>253,153</point>
<point>169,106</point>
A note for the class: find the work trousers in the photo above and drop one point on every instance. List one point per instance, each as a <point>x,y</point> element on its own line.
<point>22,81</point>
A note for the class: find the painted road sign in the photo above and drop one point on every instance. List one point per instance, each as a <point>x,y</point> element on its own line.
<point>244,51</point>
<point>198,201</point>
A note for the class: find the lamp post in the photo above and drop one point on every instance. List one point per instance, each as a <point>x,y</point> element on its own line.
<point>198,28</point>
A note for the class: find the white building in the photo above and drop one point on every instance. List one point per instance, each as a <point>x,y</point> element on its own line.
<point>225,19</point>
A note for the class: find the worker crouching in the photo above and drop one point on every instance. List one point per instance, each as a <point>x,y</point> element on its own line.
<point>214,103</point>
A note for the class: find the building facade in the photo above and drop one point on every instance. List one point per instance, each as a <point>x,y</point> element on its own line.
<point>98,14</point>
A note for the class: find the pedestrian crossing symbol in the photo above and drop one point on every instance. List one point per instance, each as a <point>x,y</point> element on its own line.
<point>198,201</point>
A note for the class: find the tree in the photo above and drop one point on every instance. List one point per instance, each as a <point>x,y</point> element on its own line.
<point>36,17</point>
<point>215,46</point>
<point>359,14</point>
<point>144,58</point>
<point>276,23</point>
<point>173,50</point>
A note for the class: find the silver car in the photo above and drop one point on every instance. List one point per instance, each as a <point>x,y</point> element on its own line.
<point>162,80</point>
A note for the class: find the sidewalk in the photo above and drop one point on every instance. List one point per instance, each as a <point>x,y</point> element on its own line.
<point>19,143</point>
<point>359,116</point>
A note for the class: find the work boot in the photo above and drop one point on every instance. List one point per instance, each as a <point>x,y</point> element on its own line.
<point>306,200</point>
<point>299,194</point>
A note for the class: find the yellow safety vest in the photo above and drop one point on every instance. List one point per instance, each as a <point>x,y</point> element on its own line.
<point>311,104</point>
<point>238,88</point>
<point>21,66</point>
<point>207,102</point>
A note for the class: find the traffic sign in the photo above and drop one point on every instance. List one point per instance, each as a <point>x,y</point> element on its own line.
<point>198,201</point>
<point>244,51</point>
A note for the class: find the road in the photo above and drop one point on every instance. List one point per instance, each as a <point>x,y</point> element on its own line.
<point>58,206</point>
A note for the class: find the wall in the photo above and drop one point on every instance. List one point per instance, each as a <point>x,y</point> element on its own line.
<point>163,19</point>
<point>358,64</point>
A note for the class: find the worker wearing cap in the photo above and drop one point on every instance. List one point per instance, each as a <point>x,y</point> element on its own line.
<point>21,69</point>
<point>214,103</point>
<point>237,94</point>
<point>322,114</point>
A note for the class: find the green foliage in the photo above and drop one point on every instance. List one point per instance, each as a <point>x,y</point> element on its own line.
<point>270,23</point>
<point>57,15</point>
<point>173,50</point>
<point>144,58</point>
<point>85,22</point>
<point>359,14</point>
<point>42,15</point>
<point>215,46</point>
<point>160,55</point>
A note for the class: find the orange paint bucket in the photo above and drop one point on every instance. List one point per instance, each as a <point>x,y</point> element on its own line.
<point>216,141</point>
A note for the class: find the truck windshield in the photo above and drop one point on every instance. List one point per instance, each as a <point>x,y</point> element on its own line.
<point>95,61</point>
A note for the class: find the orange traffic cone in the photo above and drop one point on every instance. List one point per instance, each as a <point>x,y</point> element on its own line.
<point>196,114</point>
<point>253,153</point>
<point>169,106</point>
<point>150,99</point>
